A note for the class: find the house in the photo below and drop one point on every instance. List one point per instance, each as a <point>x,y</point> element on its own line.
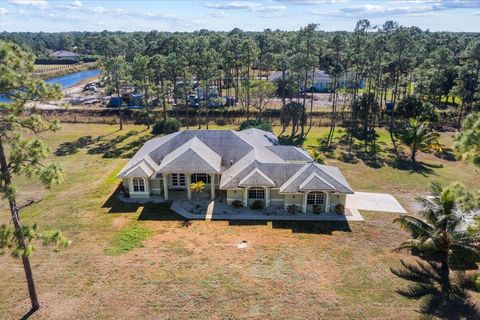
<point>239,166</point>
<point>65,55</point>
<point>323,82</point>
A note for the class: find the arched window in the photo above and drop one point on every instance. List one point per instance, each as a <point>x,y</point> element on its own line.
<point>138,185</point>
<point>316,198</point>
<point>256,193</point>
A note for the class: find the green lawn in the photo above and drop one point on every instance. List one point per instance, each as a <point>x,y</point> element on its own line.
<point>130,261</point>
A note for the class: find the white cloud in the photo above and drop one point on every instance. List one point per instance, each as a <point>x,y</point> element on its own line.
<point>76,4</point>
<point>219,14</point>
<point>477,13</point>
<point>99,10</point>
<point>3,11</point>
<point>246,5</point>
<point>233,5</point>
<point>36,3</point>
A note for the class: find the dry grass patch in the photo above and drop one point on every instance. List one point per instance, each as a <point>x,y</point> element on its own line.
<point>163,267</point>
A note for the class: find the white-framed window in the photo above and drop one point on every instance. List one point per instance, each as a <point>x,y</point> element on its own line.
<point>138,185</point>
<point>256,193</point>
<point>316,198</point>
<point>196,177</point>
<point>178,179</point>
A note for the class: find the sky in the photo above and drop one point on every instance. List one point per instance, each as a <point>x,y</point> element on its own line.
<point>249,15</point>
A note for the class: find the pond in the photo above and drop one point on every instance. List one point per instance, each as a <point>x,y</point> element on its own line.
<point>72,79</point>
<point>68,80</point>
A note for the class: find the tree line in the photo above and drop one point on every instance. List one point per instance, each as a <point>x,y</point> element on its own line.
<point>379,74</point>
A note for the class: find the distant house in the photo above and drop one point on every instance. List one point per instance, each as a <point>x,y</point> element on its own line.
<point>323,82</point>
<point>240,166</point>
<point>65,55</point>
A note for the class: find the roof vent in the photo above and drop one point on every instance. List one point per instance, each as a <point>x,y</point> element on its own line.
<point>231,163</point>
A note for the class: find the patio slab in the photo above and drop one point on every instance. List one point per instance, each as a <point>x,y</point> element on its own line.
<point>374,202</point>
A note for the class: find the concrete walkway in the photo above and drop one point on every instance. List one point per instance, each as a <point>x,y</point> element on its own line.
<point>374,202</point>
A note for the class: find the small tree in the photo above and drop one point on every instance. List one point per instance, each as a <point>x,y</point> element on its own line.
<point>261,93</point>
<point>467,143</point>
<point>23,156</point>
<point>198,188</point>
<point>418,136</point>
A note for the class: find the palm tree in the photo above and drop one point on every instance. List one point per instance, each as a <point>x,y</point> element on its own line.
<point>418,136</point>
<point>198,188</point>
<point>447,250</point>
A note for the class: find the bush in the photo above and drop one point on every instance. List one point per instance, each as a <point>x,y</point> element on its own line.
<point>340,208</point>
<point>237,204</point>
<point>257,205</point>
<point>292,209</point>
<point>316,155</point>
<point>265,126</point>
<point>166,127</point>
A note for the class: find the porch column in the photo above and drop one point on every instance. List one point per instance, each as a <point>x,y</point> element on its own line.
<point>245,197</point>
<point>327,202</point>
<point>188,180</point>
<point>304,202</point>
<point>165,186</point>
<point>267,197</point>
<point>212,185</point>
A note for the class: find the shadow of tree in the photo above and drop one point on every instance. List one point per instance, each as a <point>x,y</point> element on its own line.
<point>443,298</point>
<point>68,148</point>
<point>109,148</point>
<point>446,154</point>
<point>422,168</point>
<point>291,141</point>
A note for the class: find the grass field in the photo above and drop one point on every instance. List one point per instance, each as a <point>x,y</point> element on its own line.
<point>129,261</point>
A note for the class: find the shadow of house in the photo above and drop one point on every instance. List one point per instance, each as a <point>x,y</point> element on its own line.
<point>240,223</point>
<point>115,205</point>
<point>313,227</point>
<point>159,212</point>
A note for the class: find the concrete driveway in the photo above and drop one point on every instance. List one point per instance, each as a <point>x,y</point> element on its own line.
<point>374,202</point>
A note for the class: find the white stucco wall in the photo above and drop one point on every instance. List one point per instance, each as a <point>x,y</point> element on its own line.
<point>233,195</point>
<point>276,199</point>
<point>336,199</point>
<point>295,199</point>
<point>155,186</point>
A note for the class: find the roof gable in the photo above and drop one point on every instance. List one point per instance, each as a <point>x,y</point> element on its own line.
<point>328,174</point>
<point>314,182</point>
<point>256,178</point>
<point>193,156</point>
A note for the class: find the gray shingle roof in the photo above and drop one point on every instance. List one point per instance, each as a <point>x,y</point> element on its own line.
<point>193,156</point>
<point>245,158</point>
<point>290,153</point>
<point>229,146</point>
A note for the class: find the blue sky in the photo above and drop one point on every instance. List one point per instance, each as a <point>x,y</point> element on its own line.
<point>190,15</point>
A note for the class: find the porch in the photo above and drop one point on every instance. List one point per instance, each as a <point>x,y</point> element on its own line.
<point>220,210</point>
